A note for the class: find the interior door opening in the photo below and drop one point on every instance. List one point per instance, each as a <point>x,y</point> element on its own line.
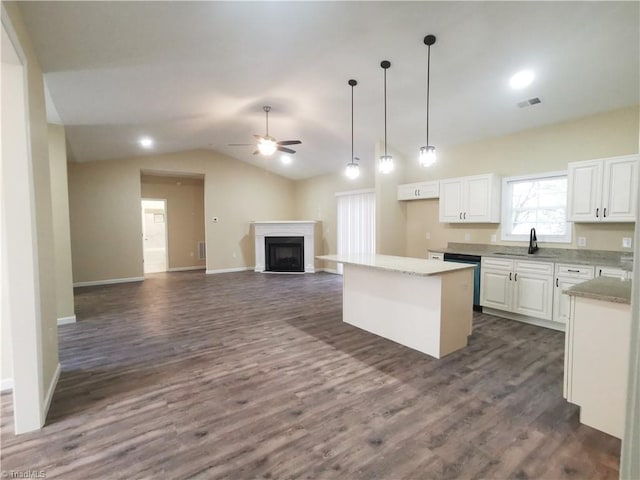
<point>154,235</point>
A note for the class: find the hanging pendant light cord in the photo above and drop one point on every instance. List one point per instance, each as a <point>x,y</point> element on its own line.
<point>351,122</point>
<point>428,81</point>
<point>385,112</point>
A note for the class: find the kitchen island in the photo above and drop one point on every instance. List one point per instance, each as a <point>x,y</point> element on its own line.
<point>423,304</point>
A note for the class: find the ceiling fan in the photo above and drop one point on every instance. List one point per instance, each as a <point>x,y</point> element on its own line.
<point>267,145</point>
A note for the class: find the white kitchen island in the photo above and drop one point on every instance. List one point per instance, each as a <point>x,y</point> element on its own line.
<point>423,304</point>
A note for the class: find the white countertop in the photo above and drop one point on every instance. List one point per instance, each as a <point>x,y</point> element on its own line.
<point>413,266</point>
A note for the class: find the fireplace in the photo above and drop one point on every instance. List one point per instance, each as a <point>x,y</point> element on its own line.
<point>284,254</point>
<point>279,233</point>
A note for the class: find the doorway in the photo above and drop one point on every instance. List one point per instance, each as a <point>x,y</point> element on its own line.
<point>154,235</point>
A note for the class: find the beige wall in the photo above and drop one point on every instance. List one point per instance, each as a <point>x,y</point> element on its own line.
<point>105,210</point>
<point>316,200</point>
<point>185,215</point>
<point>391,216</point>
<point>60,210</point>
<point>44,343</point>
<point>539,150</point>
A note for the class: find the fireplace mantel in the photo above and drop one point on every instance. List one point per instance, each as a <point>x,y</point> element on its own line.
<point>286,228</point>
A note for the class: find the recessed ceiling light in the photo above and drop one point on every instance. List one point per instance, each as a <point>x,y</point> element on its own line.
<point>521,79</point>
<point>285,159</point>
<point>146,142</point>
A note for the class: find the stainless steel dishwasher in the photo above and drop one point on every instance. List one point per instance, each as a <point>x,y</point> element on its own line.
<point>475,261</point>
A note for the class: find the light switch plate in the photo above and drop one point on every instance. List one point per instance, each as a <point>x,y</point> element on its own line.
<point>582,241</point>
<point>626,242</point>
<point>467,237</point>
<point>428,235</point>
<point>493,238</point>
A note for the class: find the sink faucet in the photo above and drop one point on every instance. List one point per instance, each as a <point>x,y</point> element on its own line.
<point>533,241</point>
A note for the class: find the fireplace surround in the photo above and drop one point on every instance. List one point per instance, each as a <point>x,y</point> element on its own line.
<point>279,235</point>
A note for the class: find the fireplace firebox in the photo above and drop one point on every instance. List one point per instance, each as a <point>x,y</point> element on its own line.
<point>284,254</point>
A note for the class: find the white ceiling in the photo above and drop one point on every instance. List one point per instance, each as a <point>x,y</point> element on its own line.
<point>196,74</point>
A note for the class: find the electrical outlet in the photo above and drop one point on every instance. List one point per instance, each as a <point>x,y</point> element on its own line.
<point>467,237</point>
<point>582,241</point>
<point>626,242</point>
<point>428,235</point>
<point>215,219</point>
<point>494,238</point>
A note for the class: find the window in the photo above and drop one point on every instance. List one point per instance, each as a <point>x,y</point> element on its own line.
<point>356,223</point>
<point>536,201</point>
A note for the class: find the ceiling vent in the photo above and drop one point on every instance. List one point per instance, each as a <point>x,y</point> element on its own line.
<point>528,103</point>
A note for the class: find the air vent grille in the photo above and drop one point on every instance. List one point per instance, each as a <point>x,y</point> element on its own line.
<point>202,251</point>
<point>530,102</point>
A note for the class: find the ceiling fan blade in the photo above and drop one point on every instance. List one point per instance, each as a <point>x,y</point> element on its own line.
<point>256,152</point>
<point>286,150</point>
<point>290,142</point>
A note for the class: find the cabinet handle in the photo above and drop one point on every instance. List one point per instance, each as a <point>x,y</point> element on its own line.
<point>575,271</point>
<point>515,277</point>
<point>557,283</point>
<point>600,273</point>
<point>464,216</point>
<point>460,215</point>
<point>605,212</point>
<point>509,276</point>
<point>597,211</point>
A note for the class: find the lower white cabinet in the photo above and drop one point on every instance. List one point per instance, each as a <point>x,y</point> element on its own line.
<point>567,275</point>
<point>517,286</point>
<point>612,272</point>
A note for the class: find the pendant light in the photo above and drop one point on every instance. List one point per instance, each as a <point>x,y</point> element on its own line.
<point>386,161</point>
<point>428,152</point>
<point>353,169</point>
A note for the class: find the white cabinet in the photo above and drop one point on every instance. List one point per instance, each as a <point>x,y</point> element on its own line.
<point>612,272</point>
<point>603,190</point>
<point>474,199</point>
<point>567,276</point>
<point>436,256</point>
<point>517,286</point>
<point>419,191</point>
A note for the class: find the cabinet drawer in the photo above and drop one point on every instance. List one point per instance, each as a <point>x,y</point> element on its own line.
<point>435,256</point>
<point>497,263</point>
<point>574,271</point>
<point>539,268</point>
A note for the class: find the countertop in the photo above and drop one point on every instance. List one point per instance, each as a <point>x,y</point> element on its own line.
<point>603,258</point>
<point>603,288</point>
<point>413,266</point>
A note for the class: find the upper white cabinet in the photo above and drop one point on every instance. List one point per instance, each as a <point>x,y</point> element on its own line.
<point>603,190</point>
<point>419,191</point>
<point>474,199</point>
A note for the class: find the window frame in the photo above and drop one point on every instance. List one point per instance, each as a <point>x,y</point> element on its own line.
<point>506,209</point>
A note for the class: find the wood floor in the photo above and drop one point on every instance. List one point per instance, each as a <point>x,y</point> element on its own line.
<point>252,376</point>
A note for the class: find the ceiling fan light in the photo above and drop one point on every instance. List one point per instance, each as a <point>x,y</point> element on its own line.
<point>267,147</point>
<point>386,164</point>
<point>352,171</point>
<point>427,156</point>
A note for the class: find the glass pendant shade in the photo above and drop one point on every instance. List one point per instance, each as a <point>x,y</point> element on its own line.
<point>267,147</point>
<point>386,164</point>
<point>427,156</point>
<point>352,171</point>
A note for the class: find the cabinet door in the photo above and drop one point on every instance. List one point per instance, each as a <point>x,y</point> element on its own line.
<point>584,191</point>
<point>436,256</point>
<point>620,189</point>
<point>451,200</point>
<point>562,301</point>
<point>611,272</point>
<point>407,191</point>
<point>533,295</point>
<point>428,190</point>
<point>476,199</point>
<point>495,289</point>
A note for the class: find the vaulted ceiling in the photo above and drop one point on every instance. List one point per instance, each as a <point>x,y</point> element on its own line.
<point>196,74</point>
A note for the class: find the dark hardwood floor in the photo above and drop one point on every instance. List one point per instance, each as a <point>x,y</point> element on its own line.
<point>247,375</point>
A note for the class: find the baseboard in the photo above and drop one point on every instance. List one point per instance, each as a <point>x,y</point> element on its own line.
<point>108,282</point>
<point>6,384</point>
<point>67,320</point>
<point>525,319</point>
<point>329,270</point>
<point>184,269</point>
<point>50,390</point>
<point>229,270</point>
